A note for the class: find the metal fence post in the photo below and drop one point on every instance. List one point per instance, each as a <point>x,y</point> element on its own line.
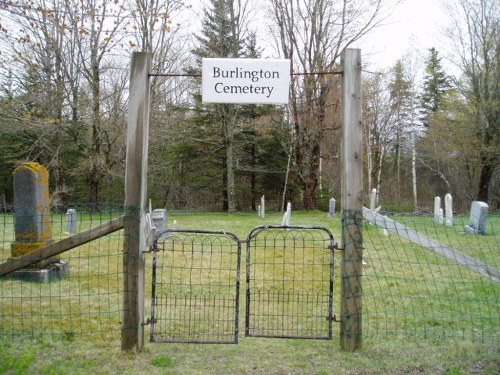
<point>135,202</point>
<point>352,202</point>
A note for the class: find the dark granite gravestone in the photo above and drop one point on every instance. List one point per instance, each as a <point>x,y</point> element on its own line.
<point>33,225</point>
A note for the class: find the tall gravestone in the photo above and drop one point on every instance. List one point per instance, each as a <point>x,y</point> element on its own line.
<point>331,208</point>
<point>438,211</point>
<point>33,226</point>
<point>448,207</point>
<point>373,199</point>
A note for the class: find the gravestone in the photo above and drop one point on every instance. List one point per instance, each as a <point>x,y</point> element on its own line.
<point>33,225</point>
<point>438,211</point>
<point>71,221</point>
<point>477,220</point>
<point>262,212</point>
<point>159,217</point>
<point>373,199</point>
<point>448,208</point>
<point>331,208</point>
<point>288,215</point>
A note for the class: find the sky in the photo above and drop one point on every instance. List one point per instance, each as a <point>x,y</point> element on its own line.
<point>414,27</point>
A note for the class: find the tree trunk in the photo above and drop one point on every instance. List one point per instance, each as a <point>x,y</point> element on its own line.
<point>95,173</point>
<point>484,179</point>
<point>309,184</point>
<point>229,125</point>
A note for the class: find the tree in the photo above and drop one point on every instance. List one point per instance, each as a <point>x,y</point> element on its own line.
<point>59,55</point>
<point>223,35</point>
<point>312,34</point>
<point>435,86</point>
<point>378,117</point>
<point>476,52</point>
<point>402,100</point>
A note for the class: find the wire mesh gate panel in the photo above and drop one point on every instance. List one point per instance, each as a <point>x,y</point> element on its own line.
<point>195,291</point>
<point>289,274</point>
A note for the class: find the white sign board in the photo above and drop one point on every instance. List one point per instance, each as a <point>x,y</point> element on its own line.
<point>245,81</point>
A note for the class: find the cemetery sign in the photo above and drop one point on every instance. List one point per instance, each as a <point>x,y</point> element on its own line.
<point>245,81</point>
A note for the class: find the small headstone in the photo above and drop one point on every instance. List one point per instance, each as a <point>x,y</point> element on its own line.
<point>288,215</point>
<point>438,211</point>
<point>159,219</point>
<point>331,208</point>
<point>448,208</point>
<point>71,221</point>
<point>262,206</point>
<point>477,220</point>
<point>373,199</point>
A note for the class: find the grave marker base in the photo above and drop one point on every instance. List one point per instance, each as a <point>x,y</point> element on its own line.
<point>53,271</point>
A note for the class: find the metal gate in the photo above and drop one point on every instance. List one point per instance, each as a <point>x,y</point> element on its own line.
<point>289,282</point>
<point>196,284</point>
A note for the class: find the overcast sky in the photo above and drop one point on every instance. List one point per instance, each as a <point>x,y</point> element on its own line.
<point>415,26</point>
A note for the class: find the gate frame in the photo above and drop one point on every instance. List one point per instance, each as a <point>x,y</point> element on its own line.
<point>135,202</point>
<point>330,317</point>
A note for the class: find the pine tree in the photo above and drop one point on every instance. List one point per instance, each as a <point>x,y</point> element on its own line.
<point>435,86</point>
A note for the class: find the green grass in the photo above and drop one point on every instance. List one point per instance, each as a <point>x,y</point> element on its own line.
<point>251,356</point>
<point>422,313</point>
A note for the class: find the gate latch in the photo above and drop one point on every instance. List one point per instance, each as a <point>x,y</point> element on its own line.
<point>149,321</point>
<point>333,319</point>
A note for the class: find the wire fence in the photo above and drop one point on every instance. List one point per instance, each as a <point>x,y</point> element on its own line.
<point>84,299</point>
<point>409,288</point>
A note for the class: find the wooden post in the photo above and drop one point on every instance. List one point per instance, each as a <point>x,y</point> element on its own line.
<point>135,203</point>
<point>352,202</point>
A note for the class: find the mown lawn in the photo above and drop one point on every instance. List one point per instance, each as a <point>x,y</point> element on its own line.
<point>422,314</point>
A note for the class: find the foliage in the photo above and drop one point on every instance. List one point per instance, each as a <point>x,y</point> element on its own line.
<point>434,88</point>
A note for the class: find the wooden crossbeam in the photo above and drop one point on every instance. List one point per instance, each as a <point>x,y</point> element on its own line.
<point>59,247</point>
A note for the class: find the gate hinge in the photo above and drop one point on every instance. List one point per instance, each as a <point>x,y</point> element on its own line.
<point>149,321</point>
<point>337,247</point>
<point>333,319</point>
<point>150,249</point>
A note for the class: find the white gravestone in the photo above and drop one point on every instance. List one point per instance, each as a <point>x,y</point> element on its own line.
<point>477,220</point>
<point>331,208</point>
<point>373,199</point>
<point>448,208</point>
<point>288,215</point>
<point>159,218</point>
<point>71,220</point>
<point>262,207</point>
<point>438,211</point>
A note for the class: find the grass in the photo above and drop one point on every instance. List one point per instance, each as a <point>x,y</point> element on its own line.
<point>422,313</point>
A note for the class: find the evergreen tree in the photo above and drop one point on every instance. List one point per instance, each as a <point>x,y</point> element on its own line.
<point>222,37</point>
<point>435,86</point>
<point>402,103</point>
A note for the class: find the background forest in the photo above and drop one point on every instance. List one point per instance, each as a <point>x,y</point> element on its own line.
<point>64,85</point>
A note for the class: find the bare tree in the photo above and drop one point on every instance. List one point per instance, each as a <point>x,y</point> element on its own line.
<point>312,34</point>
<point>475,34</point>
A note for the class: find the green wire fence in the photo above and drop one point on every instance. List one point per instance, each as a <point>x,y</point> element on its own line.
<point>409,288</point>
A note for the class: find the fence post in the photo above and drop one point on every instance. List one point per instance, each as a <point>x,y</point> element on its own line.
<point>352,202</point>
<point>135,202</point>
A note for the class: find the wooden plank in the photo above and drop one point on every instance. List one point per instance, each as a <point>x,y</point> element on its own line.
<point>352,202</point>
<point>135,202</point>
<point>60,247</point>
<point>420,239</point>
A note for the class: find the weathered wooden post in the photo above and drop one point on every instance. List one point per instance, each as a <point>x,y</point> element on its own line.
<point>135,202</point>
<point>352,202</point>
